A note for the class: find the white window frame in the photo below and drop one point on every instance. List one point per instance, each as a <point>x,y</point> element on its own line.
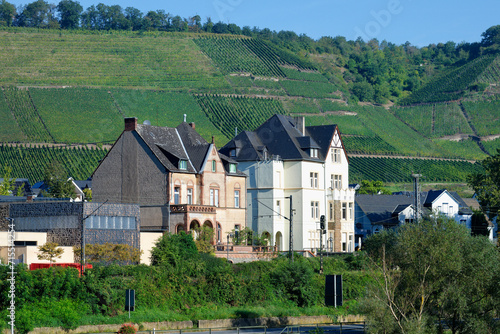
<point>236,198</point>
<point>189,195</point>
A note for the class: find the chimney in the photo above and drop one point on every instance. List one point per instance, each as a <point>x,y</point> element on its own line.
<point>300,124</point>
<point>192,125</point>
<point>185,117</point>
<point>130,123</point>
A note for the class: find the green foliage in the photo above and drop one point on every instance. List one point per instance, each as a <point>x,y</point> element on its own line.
<point>78,115</point>
<point>26,115</point>
<point>309,89</point>
<point>172,249</point>
<point>292,280</point>
<point>7,185</point>
<point>451,85</point>
<point>400,169</point>
<point>234,55</point>
<point>86,58</point>
<point>373,188</point>
<point>436,120</point>
<point>204,238</point>
<point>228,113</point>
<point>484,116</point>
<point>78,162</point>
<point>109,253</point>
<point>294,74</point>
<point>163,108</point>
<point>429,274</point>
<point>49,251</point>
<point>58,184</point>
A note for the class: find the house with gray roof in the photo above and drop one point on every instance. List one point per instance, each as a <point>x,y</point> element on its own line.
<point>375,213</point>
<point>290,165</point>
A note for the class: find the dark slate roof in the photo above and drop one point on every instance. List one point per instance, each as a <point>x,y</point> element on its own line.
<point>83,184</point>
<point>281,137</point>
<point>323,135</point>
<point>4,198</point>
<point>380,208</point>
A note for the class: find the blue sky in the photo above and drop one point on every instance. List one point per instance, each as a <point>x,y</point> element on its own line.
<point>421,22</point>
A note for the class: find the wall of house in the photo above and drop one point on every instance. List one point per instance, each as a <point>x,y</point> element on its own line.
<point>148,241</point>
<point>446,205</point>
<point>130,174</point>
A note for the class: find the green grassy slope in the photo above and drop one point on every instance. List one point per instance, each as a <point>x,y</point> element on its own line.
<point>220,83</point>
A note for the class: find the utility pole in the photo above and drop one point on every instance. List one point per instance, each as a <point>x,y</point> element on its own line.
<point>416,189</point>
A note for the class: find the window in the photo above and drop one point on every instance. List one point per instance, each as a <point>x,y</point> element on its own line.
<point>344,242</point>
<point>214,164</point>
<point>344,211</point>
<point>190,196</point>
<point>350,246</point>
<point>314,209</point>
<point>214,197</point>
<point>232,168</point>
<point>278,208</point>
<point>183,164</point>
<point>314,179</point>
<point>336,181</point>
<point>335,153</point>
<point>232,153</point>
<point>236,232</point>
<point>177,193</point>
<point>236,198</point>
<point>314,152</point>
<point>350,211</point>
<point>331,211</point>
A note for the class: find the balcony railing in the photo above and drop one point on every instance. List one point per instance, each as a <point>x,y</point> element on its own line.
<point>184,208</point>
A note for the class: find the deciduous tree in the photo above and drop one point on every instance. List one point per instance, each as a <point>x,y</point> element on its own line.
<point>487,185</point>
<point>59,186</point>
<point>7,185</point>
<point>7,13</point>
<point>49,251</point>
<point>69,13</point>
<point>433,273</point>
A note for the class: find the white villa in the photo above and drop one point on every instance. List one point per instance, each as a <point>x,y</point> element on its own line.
<point>283,158</point>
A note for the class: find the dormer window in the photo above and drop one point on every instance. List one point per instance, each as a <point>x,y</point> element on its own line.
<point>183,164</point>
<point>232,153</point>
<point>232,168</point>
<point>314,152</point>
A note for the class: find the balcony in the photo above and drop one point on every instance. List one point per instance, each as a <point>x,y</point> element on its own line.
<point>192,208</point>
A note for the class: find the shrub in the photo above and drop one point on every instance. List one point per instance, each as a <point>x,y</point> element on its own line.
<point>127,329</point>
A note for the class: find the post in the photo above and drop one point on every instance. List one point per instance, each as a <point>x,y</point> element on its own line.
<point>291,230</point>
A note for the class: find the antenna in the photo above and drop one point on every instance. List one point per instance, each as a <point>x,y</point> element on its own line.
<point>147,122</point>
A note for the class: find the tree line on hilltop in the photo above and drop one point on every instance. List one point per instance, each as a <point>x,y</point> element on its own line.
<point>373,71</point>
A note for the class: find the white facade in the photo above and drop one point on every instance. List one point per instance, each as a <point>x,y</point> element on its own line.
<point>317,188</point>
<point>445,204</point>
